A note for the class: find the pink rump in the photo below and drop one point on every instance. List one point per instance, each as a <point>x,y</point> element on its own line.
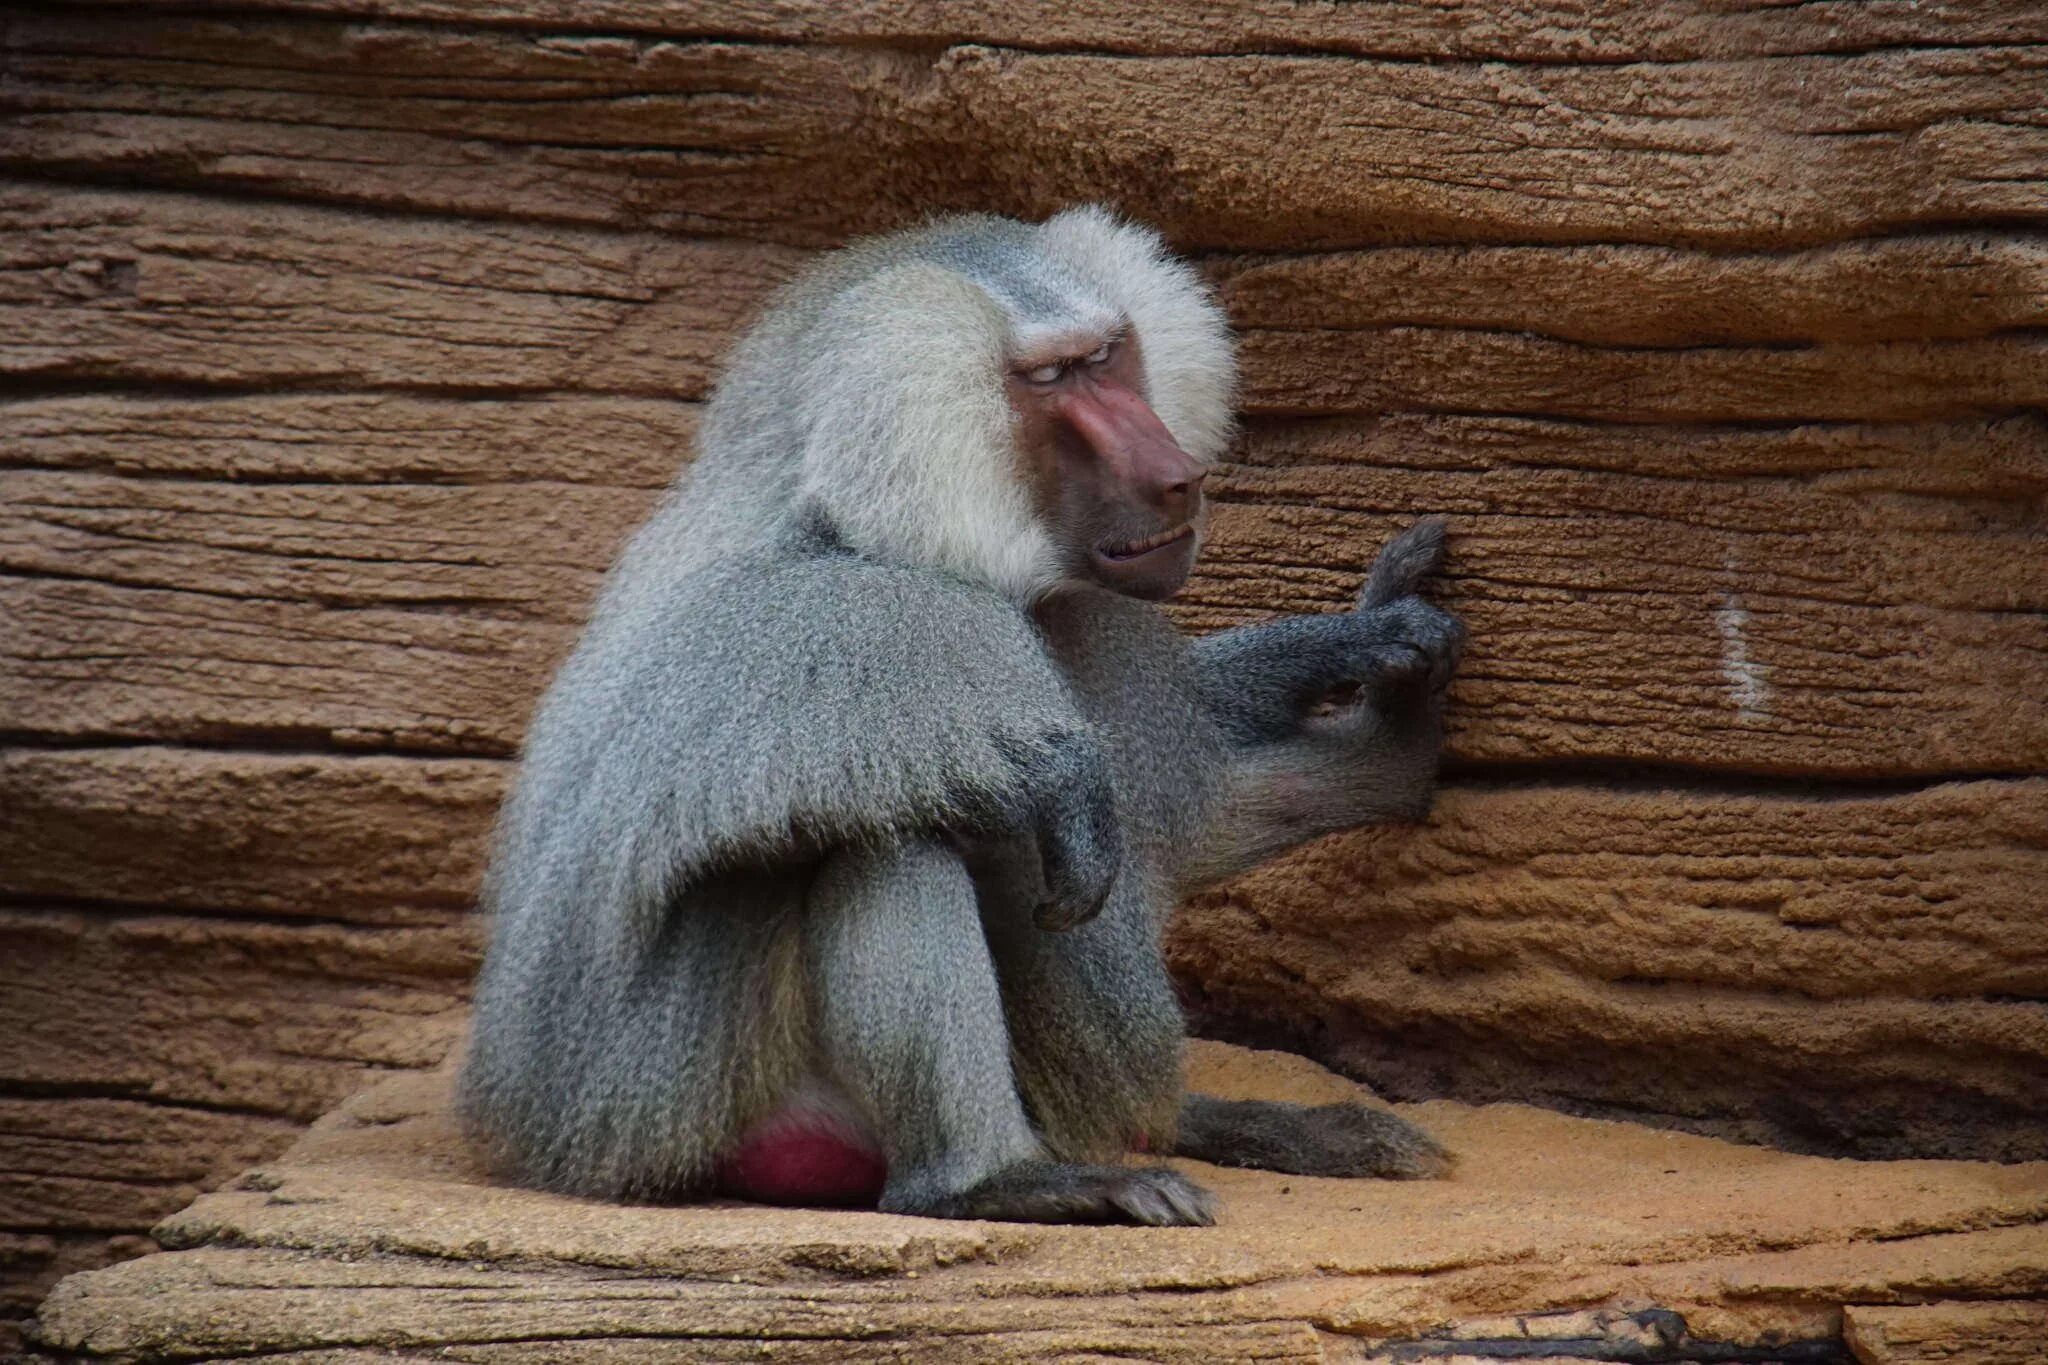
<point>804,1155</point>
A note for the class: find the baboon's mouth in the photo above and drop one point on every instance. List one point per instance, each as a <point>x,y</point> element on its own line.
<point>1136,548</point>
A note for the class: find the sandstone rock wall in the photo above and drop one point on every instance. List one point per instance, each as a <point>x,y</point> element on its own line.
<point>342,341</point>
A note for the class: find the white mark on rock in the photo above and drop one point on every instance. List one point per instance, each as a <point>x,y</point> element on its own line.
<point>1744,675</point>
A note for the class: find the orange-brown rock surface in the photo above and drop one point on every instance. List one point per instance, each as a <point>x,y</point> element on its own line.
<point>342,341</point>
<point>1576,1239</point>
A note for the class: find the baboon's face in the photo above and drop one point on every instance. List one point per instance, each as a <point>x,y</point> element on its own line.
<point>1122,498</point>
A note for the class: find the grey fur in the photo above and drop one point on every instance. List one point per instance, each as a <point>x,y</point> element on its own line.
<point>1322,1139</point>
<point>842,745</point>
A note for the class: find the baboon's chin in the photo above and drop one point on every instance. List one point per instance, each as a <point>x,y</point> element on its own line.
<point>1152,577</point>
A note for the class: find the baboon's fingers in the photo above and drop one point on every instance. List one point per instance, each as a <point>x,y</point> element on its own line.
<point>1407,560</point>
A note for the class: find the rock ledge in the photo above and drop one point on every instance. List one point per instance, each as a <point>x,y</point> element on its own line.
<point>1558,1239</point>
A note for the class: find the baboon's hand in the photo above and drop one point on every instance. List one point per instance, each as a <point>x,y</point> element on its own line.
<point>1079,841</point>
<point>1380,721</point>
<point>1406,652</point>
<point>1052,838</point>
<point>1407,648</point>
<point>1404,564</point>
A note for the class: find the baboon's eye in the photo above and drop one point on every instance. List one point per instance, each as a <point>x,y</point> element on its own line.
<point>1046,374</point>
<point>1098,355</point>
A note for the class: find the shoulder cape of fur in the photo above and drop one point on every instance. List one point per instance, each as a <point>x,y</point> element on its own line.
<point>729,714</point>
